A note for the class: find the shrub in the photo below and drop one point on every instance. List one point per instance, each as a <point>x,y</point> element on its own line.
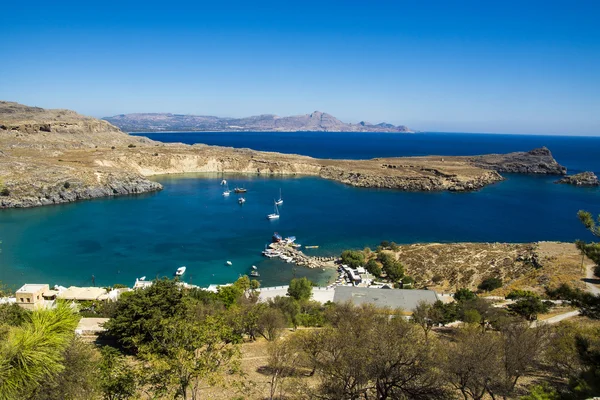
<point>67,185</point>
<point>520,294</point>
<point>489,284</point>
<point>394,247</point>
<point>131,145</point>
<point>437,278</point>
<point>4,192</point>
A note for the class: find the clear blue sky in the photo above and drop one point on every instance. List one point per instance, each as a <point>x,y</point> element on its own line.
<point>462,66</point>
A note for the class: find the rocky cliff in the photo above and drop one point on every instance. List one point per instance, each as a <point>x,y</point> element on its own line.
<point>537,161</point>
<point>57,156</point>
<point>316,121</point>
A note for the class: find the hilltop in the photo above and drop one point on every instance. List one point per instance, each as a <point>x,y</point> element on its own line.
<point>58,156</point>
<point>316,122</point>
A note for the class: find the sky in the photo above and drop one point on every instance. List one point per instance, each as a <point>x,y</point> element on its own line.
<point>453,66</point>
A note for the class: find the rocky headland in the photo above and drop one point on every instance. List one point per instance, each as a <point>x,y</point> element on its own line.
<point>581,179</point>
<point>314,122</point>
<point>58,156</point>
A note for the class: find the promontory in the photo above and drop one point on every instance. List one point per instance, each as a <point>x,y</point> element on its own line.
<point>57,156</point>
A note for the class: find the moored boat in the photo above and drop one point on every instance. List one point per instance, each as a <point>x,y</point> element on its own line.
<point>280,201</point>
<point>240,190</point>
<point>241,200</point>
<point>180,271</point>
<point>275,215</point>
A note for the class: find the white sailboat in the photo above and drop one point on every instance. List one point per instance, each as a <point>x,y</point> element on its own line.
<point>275,215</point>
<point>280,201</point>
<point>226,192</point>
<point>223,182</point>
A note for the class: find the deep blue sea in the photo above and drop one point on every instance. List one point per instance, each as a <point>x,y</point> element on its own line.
<point>190,222</point>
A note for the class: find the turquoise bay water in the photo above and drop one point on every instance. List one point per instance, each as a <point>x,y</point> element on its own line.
<point>190,223</point>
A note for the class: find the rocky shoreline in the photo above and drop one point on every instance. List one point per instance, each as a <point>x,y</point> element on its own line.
<point>59,156</point>
<point>581,179</point>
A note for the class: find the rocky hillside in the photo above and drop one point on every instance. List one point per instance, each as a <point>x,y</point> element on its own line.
<point>450,266</point>
<point>317,121</point>
<point>57,156</point>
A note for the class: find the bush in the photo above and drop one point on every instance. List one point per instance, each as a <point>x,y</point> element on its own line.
<point>529,307</point>
<point>131,146</point>
<point>4,192</point>
<point>464,294</point>
<point>520,294</point>
<point>67,185</point>
<point>489,284</point>
<point>437,278</point>
<point>394,247</point>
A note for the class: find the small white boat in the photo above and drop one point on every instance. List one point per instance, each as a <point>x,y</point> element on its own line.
<point>228,263</point>
<point>226,192</point>
<point>275,215</point>
<point>254,267</point>
<point>241,200</point>
<point>280,201</point>
<point>223,182</point>
<point>143,278</point>
<point>180,271</point>
<point>254,273</point>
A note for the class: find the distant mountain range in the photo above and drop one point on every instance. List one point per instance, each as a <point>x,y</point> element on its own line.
<point>317,121</point>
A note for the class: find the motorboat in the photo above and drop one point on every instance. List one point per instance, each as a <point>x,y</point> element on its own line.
<point>229,263</point>
<point>180,271</point>
<point>241,200</point>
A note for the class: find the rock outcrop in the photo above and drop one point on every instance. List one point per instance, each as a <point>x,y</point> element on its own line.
<point>581,179</point>
<point>537,161</point>
<point>58,156</point>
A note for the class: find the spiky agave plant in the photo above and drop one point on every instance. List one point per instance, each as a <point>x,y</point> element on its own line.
<point>34,351</point>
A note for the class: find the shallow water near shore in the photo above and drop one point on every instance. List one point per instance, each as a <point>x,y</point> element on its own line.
<point>190,223</point>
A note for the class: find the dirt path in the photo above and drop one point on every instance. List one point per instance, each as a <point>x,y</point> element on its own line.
<point>591,281</point>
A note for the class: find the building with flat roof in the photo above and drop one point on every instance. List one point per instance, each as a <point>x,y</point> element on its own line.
<point>81,293</point>
<point>404,299</point>
<point>31,296</point>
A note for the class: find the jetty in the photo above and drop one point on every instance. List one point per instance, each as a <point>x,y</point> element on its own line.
<point>286,250</point>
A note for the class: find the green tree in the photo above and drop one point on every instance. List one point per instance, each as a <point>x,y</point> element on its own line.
<point>79,378</point>
<point>117,379</point>
<point>353,259</point>
<point>34,351</point>
<point>270,323</point>
<point>300,289</point>
<point>464,294</point>
<point>591,250</point>
<point>140,315</point>
<point>394,271</point>
<point>528,307</point>
<point>191,354</point>
<point>373,267</point>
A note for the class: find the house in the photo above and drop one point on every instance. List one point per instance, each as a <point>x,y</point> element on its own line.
<point>81,293</point>
<point>31,296</point>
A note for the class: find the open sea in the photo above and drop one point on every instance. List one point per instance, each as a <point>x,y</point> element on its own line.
<point>190,223</point>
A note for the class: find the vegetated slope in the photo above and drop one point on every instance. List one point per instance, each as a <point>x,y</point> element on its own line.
<point>447,267</point>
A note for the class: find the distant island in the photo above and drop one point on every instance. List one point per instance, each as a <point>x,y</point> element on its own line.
<point>314,122</point>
